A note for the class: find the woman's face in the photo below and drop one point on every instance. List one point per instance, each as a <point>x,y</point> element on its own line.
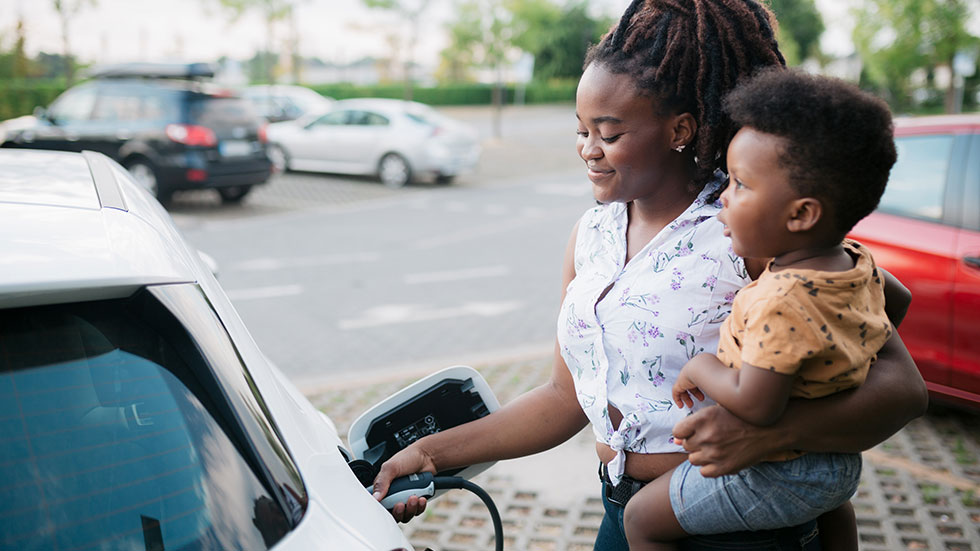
<point>625,143</point>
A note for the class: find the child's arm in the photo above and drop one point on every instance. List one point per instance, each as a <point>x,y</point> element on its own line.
<point>753,394</point>
<point>897,298</point>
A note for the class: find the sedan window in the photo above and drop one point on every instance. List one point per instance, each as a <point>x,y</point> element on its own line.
<point>917,184</point>
<point>109,440</point>
<point>333,118</point>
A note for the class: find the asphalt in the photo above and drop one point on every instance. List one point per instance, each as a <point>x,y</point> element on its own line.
<point>920,489</point>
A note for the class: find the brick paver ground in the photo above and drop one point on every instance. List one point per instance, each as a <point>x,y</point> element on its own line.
<point>920,489</point>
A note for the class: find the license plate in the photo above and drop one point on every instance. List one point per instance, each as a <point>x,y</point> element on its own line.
<point>234,148</point>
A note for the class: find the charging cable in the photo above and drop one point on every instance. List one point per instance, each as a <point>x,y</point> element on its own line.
<point>425,485</point>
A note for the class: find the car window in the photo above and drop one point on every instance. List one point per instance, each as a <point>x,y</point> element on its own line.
<point>116,107</point>
<point>917,182</point>
<point>110,439</point>
<point>333,118</point>
<point>73,106</point>
<point>220,112</point>
<point>367,118</point>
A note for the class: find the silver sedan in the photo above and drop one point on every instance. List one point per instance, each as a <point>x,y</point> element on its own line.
<point>397,141</point>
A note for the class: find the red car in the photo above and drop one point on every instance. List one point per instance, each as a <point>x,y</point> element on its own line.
<point>926,232</point>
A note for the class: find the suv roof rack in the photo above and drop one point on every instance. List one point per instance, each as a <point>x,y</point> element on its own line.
<point>186,71</point>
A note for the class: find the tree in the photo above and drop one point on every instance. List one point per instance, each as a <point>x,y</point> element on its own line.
<point>273,11</point>
<point>410,11</point>
<point>557,36</point>
<point>67,10</point>
<point>800,27</point>
<point>899,39</point>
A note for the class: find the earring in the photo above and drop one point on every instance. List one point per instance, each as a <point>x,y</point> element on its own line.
<point>680,148</point>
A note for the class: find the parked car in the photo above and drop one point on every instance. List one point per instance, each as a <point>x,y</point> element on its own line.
<point>163,122</point>
<point>283,102</point>
<point>137,411</point>
<point>397,141</point>
<point>926,231</point>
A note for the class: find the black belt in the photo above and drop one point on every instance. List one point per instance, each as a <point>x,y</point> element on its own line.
<point>621,493</point>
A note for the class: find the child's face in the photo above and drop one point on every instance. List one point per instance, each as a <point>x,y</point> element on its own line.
<point>757,201</point>
<point>622,139</point>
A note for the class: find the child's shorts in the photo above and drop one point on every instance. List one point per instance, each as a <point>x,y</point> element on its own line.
<point>765,496</point>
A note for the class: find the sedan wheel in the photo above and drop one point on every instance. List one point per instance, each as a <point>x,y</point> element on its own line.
<point>393,170</point>
<point>279,158</point>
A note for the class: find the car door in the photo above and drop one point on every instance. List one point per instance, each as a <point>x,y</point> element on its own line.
<point>316,145</point>
<point>66,122</point>
<point>965,370</point>
<point>913,235</point>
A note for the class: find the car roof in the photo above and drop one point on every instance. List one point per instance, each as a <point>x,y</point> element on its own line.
<point>382,104</point>
<point>935,124</point>
<point>74,227</point>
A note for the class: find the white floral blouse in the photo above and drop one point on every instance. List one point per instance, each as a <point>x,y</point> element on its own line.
<point>663,306</point>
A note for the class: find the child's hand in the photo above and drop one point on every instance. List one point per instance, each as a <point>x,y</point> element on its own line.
<point>684,388</point>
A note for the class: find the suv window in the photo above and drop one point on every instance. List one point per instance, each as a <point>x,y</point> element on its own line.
<point>221,112</point>
<point>917,183</point>
<point>73,106</point>
<point>110,440</point>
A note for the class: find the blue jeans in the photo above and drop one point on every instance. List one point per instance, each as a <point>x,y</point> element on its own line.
<point>612,537</point>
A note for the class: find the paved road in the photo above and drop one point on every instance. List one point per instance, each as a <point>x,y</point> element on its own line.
<point>337,275</point>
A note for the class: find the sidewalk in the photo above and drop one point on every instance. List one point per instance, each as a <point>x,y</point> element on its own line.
<point>920,489</point>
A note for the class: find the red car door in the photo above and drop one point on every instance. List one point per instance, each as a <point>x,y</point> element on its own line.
<point>965,371</point>
<point>911,236</point>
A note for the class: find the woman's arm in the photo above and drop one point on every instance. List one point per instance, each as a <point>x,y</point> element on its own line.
<point>852,421</point>
<point>537,420</point>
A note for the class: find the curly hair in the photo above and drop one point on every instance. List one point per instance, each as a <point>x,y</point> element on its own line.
<point>838,140</point>
<point>686,55</point>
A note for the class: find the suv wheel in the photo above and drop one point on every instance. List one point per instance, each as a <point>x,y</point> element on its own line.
<point>145,176</point>
<point>233,194</point>
<point>393,170</point>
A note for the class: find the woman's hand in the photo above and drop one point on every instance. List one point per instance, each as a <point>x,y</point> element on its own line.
<point>721,443</point>
<point>411,460</point>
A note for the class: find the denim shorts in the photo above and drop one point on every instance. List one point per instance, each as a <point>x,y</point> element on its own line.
<point>805,537</point>
<point>765,496</point>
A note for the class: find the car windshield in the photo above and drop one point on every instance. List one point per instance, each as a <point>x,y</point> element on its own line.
<point>110,440</point>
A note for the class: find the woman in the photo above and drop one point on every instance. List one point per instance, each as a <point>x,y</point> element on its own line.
<point>648,276</point>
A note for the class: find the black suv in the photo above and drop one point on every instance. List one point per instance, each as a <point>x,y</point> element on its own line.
<point>171,128</point>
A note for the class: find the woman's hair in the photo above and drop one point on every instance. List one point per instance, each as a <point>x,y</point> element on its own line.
<point>838,140</point>
<point>686,55</point>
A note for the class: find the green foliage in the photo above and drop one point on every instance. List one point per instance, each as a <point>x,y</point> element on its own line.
<point>487,32</point>
<point>901,38</point>
<point>20,97</point>
<point>456,93</point>
<point>799,24</point>
<point>558,37</point>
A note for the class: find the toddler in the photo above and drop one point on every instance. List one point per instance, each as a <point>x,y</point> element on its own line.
<point>811,159</point>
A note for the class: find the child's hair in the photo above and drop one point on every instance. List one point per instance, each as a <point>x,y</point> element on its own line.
<point>686,54</point>
<point>839,139</point>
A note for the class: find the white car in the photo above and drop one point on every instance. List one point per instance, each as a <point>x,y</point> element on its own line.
<point>136,412</point>
<point>284,102</point>
<point>397,141</point>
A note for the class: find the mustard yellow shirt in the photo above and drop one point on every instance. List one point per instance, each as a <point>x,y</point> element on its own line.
<point>824,327</point>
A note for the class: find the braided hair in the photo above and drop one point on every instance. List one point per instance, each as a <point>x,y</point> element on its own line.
<point>687,54</point>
